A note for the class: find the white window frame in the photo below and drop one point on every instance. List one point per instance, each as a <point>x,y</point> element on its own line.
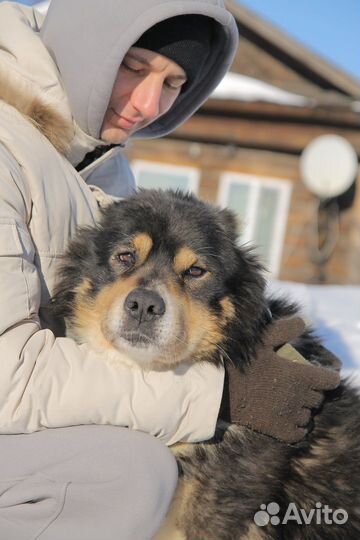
<point>255,183</point>
<point>193,174</point>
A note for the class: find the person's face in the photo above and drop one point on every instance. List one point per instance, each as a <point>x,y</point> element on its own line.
<point>146,86</point>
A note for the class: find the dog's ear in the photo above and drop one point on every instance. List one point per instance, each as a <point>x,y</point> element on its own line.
<point>229,223</point>
<point>72,271</point>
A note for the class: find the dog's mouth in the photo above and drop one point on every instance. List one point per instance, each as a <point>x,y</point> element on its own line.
<point>138,339</point>
<point>149,352</point>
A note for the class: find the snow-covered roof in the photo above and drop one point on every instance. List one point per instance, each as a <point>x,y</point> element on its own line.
<point>242,88</point>
<point>334,312</point>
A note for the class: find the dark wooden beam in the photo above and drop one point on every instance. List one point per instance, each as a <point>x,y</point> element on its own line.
<point>264,134</point>
<point>330,115</point>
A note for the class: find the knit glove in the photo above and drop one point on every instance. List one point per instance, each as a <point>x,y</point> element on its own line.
<point>274,394</point>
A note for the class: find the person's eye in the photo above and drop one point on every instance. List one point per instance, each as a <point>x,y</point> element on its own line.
<point>195,272</point>
<point>174,85</point>
<point>133,69</point>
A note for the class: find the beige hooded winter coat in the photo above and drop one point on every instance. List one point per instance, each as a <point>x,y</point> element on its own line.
<point>48,381</point>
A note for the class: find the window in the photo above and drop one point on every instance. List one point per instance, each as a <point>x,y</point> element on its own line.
<point>262,205</point>
<point>149,174</point>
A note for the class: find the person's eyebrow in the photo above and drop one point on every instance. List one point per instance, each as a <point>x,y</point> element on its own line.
<point>139,58</point>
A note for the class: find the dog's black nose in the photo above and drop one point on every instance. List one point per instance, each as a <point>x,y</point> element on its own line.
<point>144,305</point>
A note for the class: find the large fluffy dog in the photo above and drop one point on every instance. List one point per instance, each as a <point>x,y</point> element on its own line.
<point>163,279</point>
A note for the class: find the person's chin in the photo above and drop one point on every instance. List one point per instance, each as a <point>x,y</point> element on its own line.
<point>113,135</point>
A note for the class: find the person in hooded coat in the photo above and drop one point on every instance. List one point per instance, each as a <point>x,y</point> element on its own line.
<point>64,117</point>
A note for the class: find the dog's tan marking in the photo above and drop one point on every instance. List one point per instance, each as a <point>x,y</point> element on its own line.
<point>171,528</point>
<point>184,259</point>
<point>323,452</point>
<point>84,288</point>
<point>85,317</point>
<point>212,325</point>
<point>183,449</point>
<point>90,313</point>
<point>203,329</point>
<point>254,533</point>
<point>143,244</point>
<point>228,309</point>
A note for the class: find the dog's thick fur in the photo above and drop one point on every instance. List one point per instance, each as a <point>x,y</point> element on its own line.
<point>214,308</point>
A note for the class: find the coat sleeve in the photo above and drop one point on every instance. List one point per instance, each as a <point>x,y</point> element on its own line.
<point>48,382</point>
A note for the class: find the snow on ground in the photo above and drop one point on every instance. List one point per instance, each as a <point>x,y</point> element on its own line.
<point>334,312</point>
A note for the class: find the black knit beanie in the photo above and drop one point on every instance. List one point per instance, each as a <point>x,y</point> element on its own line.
<point>185,39</point>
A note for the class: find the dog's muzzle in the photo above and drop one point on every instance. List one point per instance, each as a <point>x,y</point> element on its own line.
<point>143,309</point>
<point>148,324</point>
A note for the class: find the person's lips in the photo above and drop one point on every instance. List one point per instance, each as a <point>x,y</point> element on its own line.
<point>124,123</point>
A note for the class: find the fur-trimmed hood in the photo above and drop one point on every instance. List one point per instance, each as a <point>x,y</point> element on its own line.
<point>22,95</point>
<point>30,82</point>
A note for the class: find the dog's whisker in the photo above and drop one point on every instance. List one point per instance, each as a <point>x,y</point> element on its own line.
<point>224,353</point>
<point>182,341</point>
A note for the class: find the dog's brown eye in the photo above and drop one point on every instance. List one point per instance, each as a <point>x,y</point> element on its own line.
<point>127,258</point>
<point>195,272</point>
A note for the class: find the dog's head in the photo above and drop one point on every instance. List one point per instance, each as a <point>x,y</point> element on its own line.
<point>162,279</point>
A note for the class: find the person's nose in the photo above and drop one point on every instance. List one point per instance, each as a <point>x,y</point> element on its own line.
<point>146,98</point>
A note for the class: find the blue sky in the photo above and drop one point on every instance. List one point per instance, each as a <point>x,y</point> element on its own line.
<point>330,28</point>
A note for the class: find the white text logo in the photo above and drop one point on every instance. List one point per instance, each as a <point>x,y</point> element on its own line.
<point>321,514</point>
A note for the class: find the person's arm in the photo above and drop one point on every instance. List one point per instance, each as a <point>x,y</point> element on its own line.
<point>48,382</point>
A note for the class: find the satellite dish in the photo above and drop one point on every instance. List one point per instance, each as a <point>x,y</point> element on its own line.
<point>328,166</point>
